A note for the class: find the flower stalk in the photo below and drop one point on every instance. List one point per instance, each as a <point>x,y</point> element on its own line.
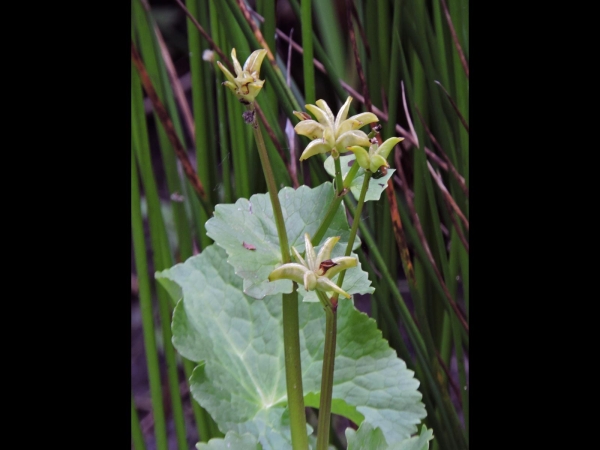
<point>335,203</point>
<point>338,135</point>
<point>251,117</point>
<point>316,273</point>
<point>356,219</point>
<point>291,329</point>
<point>339,183</point>
<point>330,307</point>
<point>327,374</point>
<point>246,85</point>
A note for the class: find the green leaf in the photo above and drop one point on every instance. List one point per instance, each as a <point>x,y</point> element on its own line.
<point>366,437</point>
<point>232,440</point>
<point>241,382</point>
<point>369,379</point>
<point>247,231</point>
<point>369,437</point>
<point>420,442</point>
<point>171,287</point>
<point>376,185</point>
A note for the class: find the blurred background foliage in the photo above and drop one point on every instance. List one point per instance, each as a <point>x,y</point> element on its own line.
<point>404,60</point>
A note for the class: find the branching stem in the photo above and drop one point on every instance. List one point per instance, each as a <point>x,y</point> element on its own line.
<point>335,203</point>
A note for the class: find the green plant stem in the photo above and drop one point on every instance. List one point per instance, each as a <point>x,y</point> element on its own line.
<point>272,187</point>
<point>329,215</point>
<point>307,46</point>
<point>356,219</point>
<point>291,331</point>
<point>293,370</point>
<point>330,307</point>
<point>334,205</point>
<point>351,174</point>
<point>339,183</point>
<point>323,426</point>
<point>145,298</point>
<point>355,222</point>
<point>201,112</point>
<point>137,437</point>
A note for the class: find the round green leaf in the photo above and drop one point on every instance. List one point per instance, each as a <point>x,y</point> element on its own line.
<point>241,381</point>
<point>231,441</point>
<point>247,231</point>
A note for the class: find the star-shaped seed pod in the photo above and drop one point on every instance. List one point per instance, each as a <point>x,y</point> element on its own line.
<point>376,157</point>
<point>329,134</point>
<point>246,84</point>
<point>316,271</point>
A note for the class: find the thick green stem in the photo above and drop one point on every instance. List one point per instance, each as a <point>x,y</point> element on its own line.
<point>323,427</point>
<point>293,370</point>
<point>270,178</point>
<point>291,338</point>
